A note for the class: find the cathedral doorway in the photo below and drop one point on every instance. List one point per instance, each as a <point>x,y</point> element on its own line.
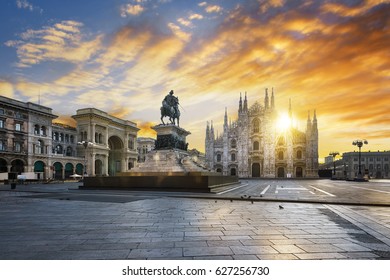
<point>256,170</point>
<point>299,172</point>
<point>115,155</point>
<point>280,172</point>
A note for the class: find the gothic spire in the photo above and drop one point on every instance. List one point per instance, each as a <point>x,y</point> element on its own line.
<point>240,104</point>
<point>266,99</point>
<point>245,104</point>
<point>207,131</point>
<point>272,100</point>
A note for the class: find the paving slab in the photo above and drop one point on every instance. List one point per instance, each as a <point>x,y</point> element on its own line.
<point>187,228</point>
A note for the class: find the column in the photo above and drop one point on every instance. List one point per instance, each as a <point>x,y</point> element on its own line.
<point>93,155</point>
<point>105,170</point>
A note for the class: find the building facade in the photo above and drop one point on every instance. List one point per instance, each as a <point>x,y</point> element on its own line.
<point>110,143</point>
<point>33,145</point>
<point>252,146</point>
<point>373,164</point>
<point>144,146</point>
<point>28,143</point>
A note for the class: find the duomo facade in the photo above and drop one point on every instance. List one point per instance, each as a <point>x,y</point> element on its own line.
<point>252,146</point>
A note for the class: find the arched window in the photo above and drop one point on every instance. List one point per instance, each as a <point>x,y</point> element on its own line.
<point>66,138</point>
<point>233,143</point>
<point>100,138</point>
<point>233,157</point>
<point>96,137</point>
<point>43,131</point>
<point>72,139</point>
<point>219,157</point>
<point>39,148</point>
<point>280,155</point>
<point>69,151</point>
<point>299,154</point>
<point>131,144</point>
<point>36,129</point>
<point>61,137</point>
<point>58,149</point>
<point>256,146</point>
<point>256,125</point>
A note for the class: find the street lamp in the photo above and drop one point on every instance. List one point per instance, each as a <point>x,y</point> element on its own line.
<point>334,154</point>
<point>360,144</point>
<point>85,144</point>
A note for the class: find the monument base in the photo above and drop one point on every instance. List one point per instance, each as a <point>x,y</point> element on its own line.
<point>168,168</point>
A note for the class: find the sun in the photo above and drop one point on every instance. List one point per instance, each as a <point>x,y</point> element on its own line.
<point>283,123</point>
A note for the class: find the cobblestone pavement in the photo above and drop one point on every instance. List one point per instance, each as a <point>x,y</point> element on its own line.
<point>38,226</point>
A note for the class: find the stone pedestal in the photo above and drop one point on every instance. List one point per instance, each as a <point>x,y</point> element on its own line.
<point>168,168</point>
<point>171,136</point>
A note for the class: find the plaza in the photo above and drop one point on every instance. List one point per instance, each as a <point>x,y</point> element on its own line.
<point>61,222</point>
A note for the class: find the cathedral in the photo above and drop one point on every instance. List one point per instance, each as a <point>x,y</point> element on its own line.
<point>254,145</point>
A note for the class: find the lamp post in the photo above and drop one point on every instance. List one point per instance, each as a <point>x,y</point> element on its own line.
<point>334,154</point>
<point>85,144</point>
<point>360,144</point>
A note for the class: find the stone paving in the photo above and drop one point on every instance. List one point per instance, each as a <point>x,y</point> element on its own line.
<point>39,227</point>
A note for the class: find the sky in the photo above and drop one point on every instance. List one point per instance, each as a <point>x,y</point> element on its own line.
<point>124,56</point>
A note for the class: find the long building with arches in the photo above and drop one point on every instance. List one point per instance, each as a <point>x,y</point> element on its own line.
<point>253,146</point>
<point>33,144</point>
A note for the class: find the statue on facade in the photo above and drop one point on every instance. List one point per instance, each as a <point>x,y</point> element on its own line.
<point>170,108</point>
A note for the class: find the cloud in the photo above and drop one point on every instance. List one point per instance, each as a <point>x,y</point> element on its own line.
<point>61,42</point>
<point>213,9</point>
<point>131,10</point>
<point>195,16</point>
<point>6,88</point>
<point>322,58</point>
<point>24,4</point>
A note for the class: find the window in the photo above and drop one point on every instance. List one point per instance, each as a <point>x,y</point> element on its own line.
<point>299,154</point>
<point>280,155</point>
<point>18,127</point>
<point>69,151</point>
<point>72,139</point>
<point>233,144</point>
<point>1,123</point>
<point>2,112</point>
<point>131,144</point>
<point>61,137</point>
<point>255,146</point>
<point>43,131</point>
<point>36,129</point>
<point>233,157</point>
<point>39,147</point>
<point>3,147</point>
<point>256,125</point>
<point>17,147</point>
<point>219,157</point>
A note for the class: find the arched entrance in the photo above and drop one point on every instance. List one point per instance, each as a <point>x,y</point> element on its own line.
<point>280,172</point>
<point>68,170</point>
<point>115,155</point>
<point>79,169</point>
<point>17,166</point>
<point>256,170</point>
<point>299,172</point>
<point>3,165</point>
<point>39,169</point>
<point>98,167</point>
<point>57,170</point>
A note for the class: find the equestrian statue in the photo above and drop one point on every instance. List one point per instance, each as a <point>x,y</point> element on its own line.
<point>170,108</point>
